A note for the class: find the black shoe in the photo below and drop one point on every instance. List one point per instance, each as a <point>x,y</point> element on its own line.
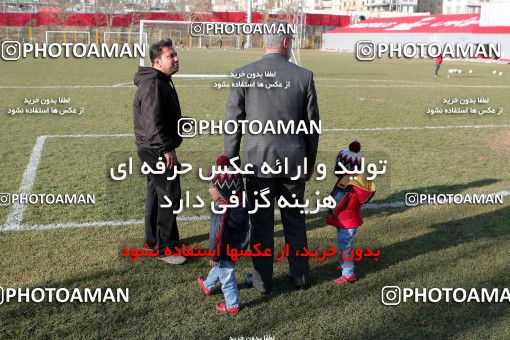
<point>302,287</point>
<point>297,285</point>
<point>248,278</point>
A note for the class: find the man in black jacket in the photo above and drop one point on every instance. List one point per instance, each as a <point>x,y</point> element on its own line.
<point>156,114</point>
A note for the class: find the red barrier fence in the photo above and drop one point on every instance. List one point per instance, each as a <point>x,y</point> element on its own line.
<point>124,20</point>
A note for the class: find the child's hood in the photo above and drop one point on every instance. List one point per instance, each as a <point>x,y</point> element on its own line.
<point>363,188</point>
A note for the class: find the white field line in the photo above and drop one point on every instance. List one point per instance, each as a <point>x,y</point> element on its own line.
<point>368,86</point>
<point>387,83</point>
<point>116,86</point>
<point>200,76</point>
<point>374,80</point>
<point>403,128</point>
<point>377,206</point>
<point>58,87</point>
<point>15,218</point>
<point>92,135</point>
<point>98,224</point>
<point>124,85</point>
<point>389,128</point>
<point>424,85</point>
<point>120,86</point>
<point>322,80</point>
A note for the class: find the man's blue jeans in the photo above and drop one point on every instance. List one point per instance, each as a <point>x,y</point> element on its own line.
<point>345,242</point>
<point>224,272</point>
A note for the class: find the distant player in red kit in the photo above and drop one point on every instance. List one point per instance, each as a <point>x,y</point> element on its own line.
<point>439,61</point>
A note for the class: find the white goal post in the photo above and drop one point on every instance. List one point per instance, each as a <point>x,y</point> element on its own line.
<point>64,34</point>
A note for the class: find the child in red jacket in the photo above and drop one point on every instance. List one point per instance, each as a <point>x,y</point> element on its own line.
<point>439,61</point>
<point>350,192</point>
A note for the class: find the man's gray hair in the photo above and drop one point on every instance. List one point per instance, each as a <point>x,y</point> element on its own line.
<point>274,40</point>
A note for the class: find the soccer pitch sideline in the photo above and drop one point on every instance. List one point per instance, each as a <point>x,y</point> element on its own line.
<point>382,104</point>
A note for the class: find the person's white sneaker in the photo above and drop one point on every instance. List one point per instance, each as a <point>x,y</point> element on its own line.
<point>173,259</point>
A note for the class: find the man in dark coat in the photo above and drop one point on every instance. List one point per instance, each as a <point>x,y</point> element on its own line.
<point>156,114</point>
<point>285,93</point>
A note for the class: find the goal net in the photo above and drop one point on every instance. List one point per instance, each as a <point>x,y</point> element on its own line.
<point>67,37</point>
<point>206,55</point>
<point>123,37</point>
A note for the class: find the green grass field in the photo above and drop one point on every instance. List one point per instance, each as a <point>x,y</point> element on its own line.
<point>425,246</point>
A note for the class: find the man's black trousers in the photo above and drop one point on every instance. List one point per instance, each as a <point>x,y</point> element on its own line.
<point>294,228</point>
<point>160,223</point>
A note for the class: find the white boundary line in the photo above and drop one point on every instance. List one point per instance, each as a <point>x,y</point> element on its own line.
<point>58,87</point>
<point>15,217</point>
<point>423,86</point>
<point>92,135</point>
<point>200,76</point>
<point>375,80</point>
<point>321,81</point>
<point>98,224</point>
<point>398,204</point>
<point>95,87</point>
<point>404,128</point>
<point>124,85</point>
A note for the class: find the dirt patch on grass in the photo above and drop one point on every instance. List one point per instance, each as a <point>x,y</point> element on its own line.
<point>499,141</point>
